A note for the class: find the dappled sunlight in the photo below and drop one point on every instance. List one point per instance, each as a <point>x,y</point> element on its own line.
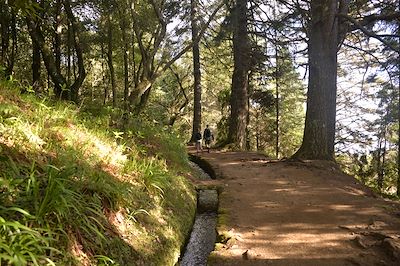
<point>33,138</point>
<point>108,155</point>
<point>232,163</point>
<point>104,205</point>
<point>270,204</point>
<point>292,215</point>
<point>341,207</point>
<point>293,241</point>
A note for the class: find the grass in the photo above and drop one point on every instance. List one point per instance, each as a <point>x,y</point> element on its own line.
<point>75,191</point>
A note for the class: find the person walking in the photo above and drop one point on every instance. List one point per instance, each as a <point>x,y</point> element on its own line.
<point>198,142</point>
<point>208,137</point>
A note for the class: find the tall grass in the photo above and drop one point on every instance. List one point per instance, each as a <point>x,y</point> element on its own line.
<point>75,191</point>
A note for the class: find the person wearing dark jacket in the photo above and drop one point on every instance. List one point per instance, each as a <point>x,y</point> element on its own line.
<point>208,137</point>
<point>198,142</point>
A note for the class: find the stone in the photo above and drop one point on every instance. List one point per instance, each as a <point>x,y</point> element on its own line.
<point>207,200</point>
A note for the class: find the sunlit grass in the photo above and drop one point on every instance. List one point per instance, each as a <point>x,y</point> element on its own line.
<point>74,191</point>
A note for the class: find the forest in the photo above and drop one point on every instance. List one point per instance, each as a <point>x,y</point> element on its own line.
<point>293,79</point>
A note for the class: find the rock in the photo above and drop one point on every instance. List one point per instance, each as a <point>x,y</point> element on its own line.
<point>207,200</point>
<point>360,242</point>
<point>392,247</point>
<point>377,225</point>
<point>245,255</point>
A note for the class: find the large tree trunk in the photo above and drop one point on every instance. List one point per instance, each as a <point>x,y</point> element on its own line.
<point>196,71</point>
<point>239,97</point>
<point>319,132</point>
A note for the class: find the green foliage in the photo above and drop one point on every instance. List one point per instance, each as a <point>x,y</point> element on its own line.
<point>75,191</point>
<point>291,110</point>
<point>366,168</point>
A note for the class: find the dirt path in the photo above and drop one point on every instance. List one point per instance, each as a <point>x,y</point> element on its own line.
<point>282,213</point>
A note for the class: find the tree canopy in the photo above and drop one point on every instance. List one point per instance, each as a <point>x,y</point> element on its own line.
<point>302,79</point>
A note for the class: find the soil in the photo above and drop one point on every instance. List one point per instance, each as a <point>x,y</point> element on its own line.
<point>298,213</point>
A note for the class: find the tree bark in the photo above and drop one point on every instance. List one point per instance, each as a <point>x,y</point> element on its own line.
<point>147,80</point>
<point>196,71</point>
<point>110,58</point>
<point>398,112</point>
<point>47,54</point>
<point>239,96</point>
<point>35,66</point>
<point>79,52</point>
<point>319,132</point>
<point>57,44</point>
<point>8,38</point>
<point>70,92</point>
<point>380,164</point>
<point>277,103</point>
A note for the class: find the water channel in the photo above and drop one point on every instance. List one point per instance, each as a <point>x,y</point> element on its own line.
<point>203,235</point>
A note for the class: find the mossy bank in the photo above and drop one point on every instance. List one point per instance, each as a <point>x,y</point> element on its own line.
<point>76,189</point>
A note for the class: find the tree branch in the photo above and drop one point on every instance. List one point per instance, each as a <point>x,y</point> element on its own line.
<point>361,27</point>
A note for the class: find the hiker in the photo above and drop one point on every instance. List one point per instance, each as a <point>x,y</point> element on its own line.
<point>198,142</point>
<point>208,137</point>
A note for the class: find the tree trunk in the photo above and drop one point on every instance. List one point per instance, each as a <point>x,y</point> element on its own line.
<point>277,104</point>
<point>123,25</point>
<point>319,132</point>
<point>239,97</point>
<point>47,54</point>
<point>398,113</point>
<point>126,72</point>
<point>4,26</point>
<point>8,28</point>
<point>110,58</point>
<point>79,53</point>
<point>70,92</point>
<point>57,44</point>
<point>69,44</point>
<point>379,164</point>
<point>398,126</point>
<point>36,63</point>
<point>196,71</point>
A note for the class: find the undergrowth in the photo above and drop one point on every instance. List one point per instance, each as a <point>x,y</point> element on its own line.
<point>87,186</point>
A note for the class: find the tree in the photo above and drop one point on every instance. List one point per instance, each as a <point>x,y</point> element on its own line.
<point>110,61</point>
<point>152,66</point>
<point>239,94</point>
<point>196,70</point>
<point>70,91</point>
<point>327,27</point>
<point>8,37</point>
<point>319,131</point>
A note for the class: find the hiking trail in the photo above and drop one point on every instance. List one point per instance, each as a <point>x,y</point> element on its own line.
<point>298,213</point>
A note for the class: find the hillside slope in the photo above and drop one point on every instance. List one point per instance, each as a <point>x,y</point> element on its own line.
<point>74,191</point>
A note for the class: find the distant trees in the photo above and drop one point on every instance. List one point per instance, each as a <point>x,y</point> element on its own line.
<point>133,55</point>
<point>130,36</point>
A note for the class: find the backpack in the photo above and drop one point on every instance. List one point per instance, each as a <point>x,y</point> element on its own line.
<point>207,133</point>
<point>198,136</point>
